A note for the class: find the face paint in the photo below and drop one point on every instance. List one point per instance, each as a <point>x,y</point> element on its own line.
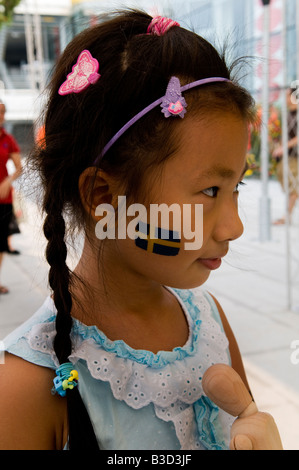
<point>157,240</point>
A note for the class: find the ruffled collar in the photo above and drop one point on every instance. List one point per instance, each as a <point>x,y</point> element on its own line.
<point>160,359</point>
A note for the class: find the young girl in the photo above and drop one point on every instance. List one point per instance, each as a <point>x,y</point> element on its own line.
<point>142,108</point>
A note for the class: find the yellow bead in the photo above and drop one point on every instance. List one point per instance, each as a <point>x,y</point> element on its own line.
<point>65,384</point>
<point>74,375</point>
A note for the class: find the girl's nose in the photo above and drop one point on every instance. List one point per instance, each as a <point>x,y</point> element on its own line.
<point>229,225</point>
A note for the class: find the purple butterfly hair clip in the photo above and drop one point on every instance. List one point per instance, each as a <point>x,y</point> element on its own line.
<point>83,74</point>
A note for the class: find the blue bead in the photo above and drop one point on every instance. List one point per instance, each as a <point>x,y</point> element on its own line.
<point>58,386</point>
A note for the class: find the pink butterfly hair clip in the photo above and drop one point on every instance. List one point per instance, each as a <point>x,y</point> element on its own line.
<point>83,74</point>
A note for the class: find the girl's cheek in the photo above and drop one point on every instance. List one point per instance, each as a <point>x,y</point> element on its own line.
<point>157,240</point>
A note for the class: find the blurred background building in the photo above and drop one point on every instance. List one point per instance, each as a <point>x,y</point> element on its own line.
<point>40,30</point>
<point>29,46</point>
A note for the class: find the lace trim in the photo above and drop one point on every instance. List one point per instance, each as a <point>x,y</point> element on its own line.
<point>41,337</point>
<point>159,360</point>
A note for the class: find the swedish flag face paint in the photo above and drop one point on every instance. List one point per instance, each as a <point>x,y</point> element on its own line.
<point>157,240</point>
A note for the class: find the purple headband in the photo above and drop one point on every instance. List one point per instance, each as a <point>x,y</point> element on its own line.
<point>172,104</point>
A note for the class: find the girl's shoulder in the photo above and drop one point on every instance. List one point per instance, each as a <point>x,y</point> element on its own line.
<point>200,302</point>
<point>31,418</point>
<point>32,340</point>
<point>26,382</point>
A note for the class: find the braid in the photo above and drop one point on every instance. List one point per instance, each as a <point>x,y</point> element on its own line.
<point>81,433</point>
<point>59,278</point>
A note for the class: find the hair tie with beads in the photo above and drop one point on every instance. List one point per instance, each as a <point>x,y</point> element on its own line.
<point>66,378</point>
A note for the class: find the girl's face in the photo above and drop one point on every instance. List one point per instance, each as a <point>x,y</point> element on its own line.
<point>206,170</point>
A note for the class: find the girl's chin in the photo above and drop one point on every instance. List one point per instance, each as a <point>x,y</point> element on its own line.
<point>189,282</point>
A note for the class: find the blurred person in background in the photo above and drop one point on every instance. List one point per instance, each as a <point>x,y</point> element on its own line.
<point>293,157</point>
<point>9,149</point>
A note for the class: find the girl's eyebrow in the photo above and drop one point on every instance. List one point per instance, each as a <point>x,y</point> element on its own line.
<point>223,172</point>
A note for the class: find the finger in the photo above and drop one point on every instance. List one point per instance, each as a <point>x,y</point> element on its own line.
<point>226,389</point>
<point>241,442</point>
<point>249,411</point>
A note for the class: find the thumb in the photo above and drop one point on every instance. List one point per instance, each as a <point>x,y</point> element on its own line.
<point>241,442</point>
<point>225,388</point>
<point>255,430</point>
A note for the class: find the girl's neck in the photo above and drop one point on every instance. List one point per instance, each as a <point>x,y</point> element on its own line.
<point>110,287</point>
<point>126,306</point>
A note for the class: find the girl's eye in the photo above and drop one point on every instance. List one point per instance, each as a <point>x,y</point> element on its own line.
<point>211,192</point>
<point>237,188</point>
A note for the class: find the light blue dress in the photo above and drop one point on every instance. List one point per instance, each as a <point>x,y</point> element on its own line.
<point>137,399</point>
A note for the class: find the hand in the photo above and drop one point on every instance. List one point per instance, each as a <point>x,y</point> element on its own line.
<point>252,430</point>
<point>5,187</point>
<point>277,153</point>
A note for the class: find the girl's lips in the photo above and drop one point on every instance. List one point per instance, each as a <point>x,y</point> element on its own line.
<point>213,263</point>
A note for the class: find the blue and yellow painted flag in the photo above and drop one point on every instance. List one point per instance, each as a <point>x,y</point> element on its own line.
<point>157,240</point>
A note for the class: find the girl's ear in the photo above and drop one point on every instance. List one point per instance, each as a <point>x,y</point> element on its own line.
<point>95,187</point>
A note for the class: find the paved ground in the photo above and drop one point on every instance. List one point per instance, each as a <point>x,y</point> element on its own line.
<point>251,286</point>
